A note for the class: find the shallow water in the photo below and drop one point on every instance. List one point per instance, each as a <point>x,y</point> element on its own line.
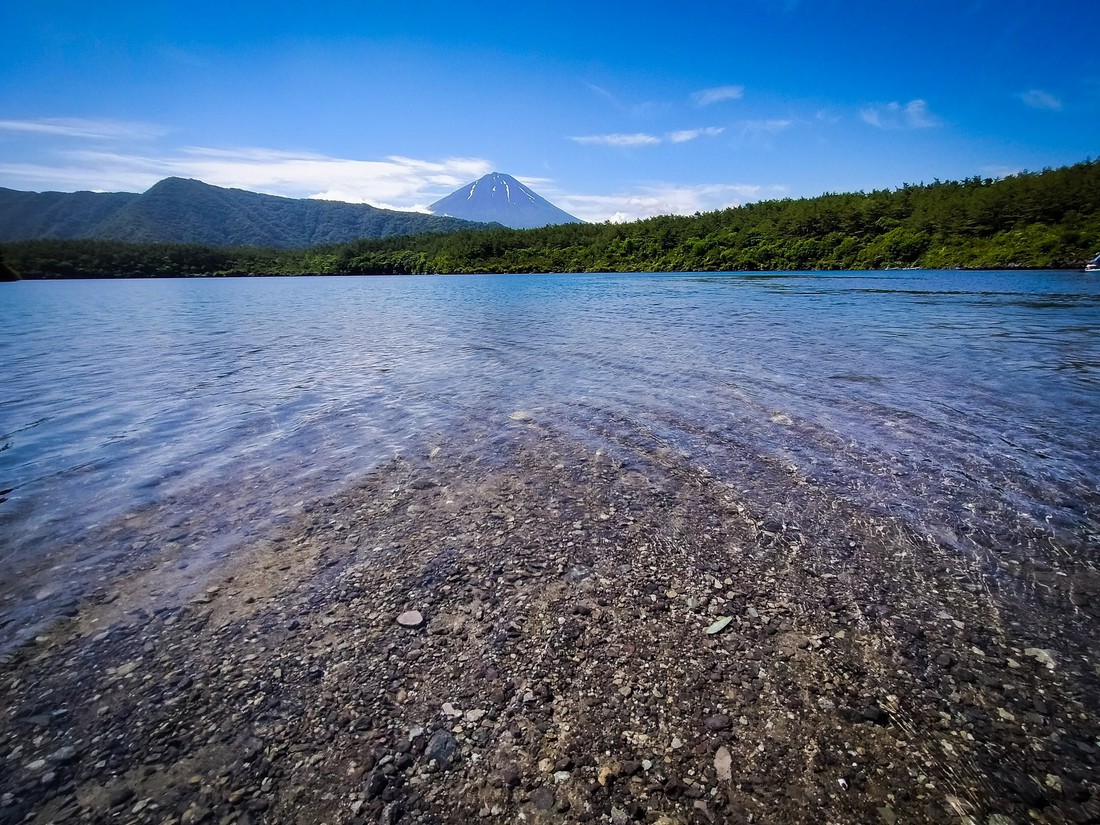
<point>197,413</point>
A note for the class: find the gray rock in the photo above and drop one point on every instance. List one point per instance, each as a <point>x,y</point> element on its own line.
<point>719,625</point>
<point>411,618</point>
<point>509,776</point>
<point>718,722</point>
<point>542,799</point>
<point>63,756</point>
<point>375,784</point>
<point>441,749</point>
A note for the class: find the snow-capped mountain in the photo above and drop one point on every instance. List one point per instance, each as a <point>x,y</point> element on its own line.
<point>501,198</point>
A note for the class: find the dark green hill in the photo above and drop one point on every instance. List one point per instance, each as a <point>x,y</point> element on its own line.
<point>1048,219</point>
<point>25,215</point>
<point>181,211</point>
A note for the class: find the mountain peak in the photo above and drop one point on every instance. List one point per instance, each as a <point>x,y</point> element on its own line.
<point>497,197</point>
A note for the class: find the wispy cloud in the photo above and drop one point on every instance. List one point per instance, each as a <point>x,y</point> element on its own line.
<point>1038,99</point>
<point>85,128</point>
<point>643,108</point>
<point>911,115</point>
<point>644,139</point>
<point>684,135</point>
<point>636,139</point>
<point>600,91</point>
<point>717,94</point>
<point>395,181</point>
<point>770,127</point>
<point>649,200</point>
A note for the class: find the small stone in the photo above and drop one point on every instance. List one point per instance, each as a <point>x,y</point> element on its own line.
<point>375,784</point>
<point>63,755</point>
<point>718,722</point>
<point>520,415</point>
<point>392,813</point>
<point>441,749</point>
<point>719,625</point>
<point>411,618</point>
<point>1043,657</point>
<point>607,774</point>
<point>723,764</point>
<point>509,776</point>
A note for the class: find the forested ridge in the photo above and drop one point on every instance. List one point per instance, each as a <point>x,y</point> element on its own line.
<point>182,211</point>
<point>1041,219</point>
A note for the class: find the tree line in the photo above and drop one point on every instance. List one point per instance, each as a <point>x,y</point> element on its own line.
<point>1047,219</point>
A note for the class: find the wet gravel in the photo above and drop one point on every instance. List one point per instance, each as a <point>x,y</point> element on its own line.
<point>547,632</point>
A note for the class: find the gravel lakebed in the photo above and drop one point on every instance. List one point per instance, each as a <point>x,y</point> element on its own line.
<point>536,629</point>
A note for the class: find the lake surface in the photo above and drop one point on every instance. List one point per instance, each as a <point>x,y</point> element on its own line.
<point>195,414</point>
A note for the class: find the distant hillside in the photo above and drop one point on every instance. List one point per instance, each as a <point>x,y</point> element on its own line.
<point>177,210</point>
<point>1048,219</point>
<point>25,215</point>
<point>498,198</point>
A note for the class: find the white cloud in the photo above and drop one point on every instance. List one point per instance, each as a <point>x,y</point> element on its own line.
<point>770,127</point>
<point>636,139</point>
<point>1038,99</point>
<point>717,94</point>
<point>663,199</point>
<point>399,182</point>
<point>685,135</point>
<point>913,115</point>
<point>642,139</point>
<point>85,128</point>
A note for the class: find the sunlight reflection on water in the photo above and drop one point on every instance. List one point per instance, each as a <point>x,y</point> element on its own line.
<point>957,399</point>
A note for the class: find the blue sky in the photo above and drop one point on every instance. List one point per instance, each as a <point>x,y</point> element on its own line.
<point>612,111</point>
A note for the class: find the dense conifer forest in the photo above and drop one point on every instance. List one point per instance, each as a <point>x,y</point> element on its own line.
<point>1034,220</point>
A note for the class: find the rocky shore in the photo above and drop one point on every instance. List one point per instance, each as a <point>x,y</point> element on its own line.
<point>536,630</point>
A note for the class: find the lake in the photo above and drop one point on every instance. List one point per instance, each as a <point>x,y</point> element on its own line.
<point>197,414</point>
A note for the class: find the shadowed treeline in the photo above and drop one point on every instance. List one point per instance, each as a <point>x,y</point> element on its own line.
<point>1048,219</point>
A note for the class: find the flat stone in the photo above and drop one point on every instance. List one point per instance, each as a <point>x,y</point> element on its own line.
<point>723,764</point>
<point>1043,657</point>
<point>411,618</point>
<point>719,625</point>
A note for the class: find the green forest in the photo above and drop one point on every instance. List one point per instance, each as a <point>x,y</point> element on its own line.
<point>1048,219</point>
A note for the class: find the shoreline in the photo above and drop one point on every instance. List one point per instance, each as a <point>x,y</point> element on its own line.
<point>563,670</point>
<point>1064,267</point>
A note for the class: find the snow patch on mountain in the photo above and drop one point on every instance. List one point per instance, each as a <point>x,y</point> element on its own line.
<point>491,198</point>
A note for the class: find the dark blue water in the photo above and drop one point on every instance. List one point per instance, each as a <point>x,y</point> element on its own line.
<point>198,411</point>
